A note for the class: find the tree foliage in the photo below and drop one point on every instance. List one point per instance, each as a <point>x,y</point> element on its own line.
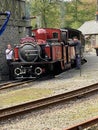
<point>61,13</point>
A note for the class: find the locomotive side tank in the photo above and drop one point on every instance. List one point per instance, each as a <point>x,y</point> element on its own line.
<point>46,52</point>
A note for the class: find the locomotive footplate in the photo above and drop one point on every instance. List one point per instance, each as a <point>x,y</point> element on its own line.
<point>36,63</point>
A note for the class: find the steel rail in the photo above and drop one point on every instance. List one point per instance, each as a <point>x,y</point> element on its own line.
<point>28,106</point>
<point>13,84</point>
<point>8,82</point>
<point>84,125</point>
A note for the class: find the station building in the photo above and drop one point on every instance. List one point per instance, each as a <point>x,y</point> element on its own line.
<point>90,30</point>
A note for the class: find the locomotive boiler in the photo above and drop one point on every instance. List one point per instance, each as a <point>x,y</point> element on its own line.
<point>46,52</point>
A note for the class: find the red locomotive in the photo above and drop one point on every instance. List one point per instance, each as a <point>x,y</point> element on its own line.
<point>46,52</point>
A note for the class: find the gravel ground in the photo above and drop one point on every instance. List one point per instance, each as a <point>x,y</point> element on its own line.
<point>57,117</point>
<point>62,115</point>
<point>73,79</point>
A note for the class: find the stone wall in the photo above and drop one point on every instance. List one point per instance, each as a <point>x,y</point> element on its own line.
<point>16,29</point>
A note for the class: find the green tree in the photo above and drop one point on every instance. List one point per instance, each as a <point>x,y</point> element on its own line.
<point>48,12</point>
<point>60,13</point>
<point>79,11</point>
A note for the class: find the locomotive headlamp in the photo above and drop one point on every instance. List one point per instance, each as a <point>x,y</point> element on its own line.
<point>38,71</point>
<point>17,71</point>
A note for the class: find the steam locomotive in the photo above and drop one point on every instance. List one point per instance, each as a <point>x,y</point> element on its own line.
<point>46,52</point>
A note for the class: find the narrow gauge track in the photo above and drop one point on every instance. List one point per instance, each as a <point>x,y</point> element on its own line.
<point>29,106</point>
<point>8,82</point>
<point>11,84</point>
<point>84,125</point>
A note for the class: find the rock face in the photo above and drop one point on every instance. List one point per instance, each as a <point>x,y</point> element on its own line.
<point>15,29</point>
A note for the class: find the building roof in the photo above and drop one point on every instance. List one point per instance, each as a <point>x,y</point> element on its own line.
<point>89,27</point>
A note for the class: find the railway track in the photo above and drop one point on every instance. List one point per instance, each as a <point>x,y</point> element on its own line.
<point>84,125</point>
<point>12,84</point>
<point>29,106</point>
<point>8,82</point>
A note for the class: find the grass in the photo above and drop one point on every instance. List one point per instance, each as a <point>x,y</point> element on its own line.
<point>84,112</point>
<point>23,95</point>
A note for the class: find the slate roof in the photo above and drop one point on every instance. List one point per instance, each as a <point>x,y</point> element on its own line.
<point>89,27</point>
